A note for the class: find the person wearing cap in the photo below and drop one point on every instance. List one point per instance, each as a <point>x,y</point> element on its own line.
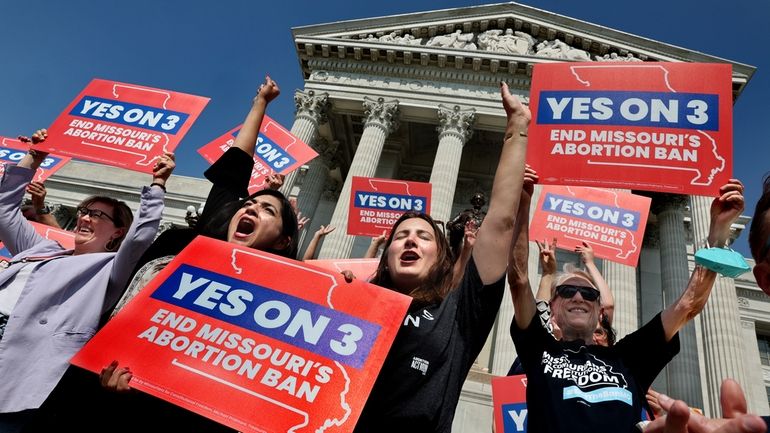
<point>574,385</point>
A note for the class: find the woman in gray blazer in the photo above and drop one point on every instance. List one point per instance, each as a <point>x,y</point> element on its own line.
<point>51,298</point>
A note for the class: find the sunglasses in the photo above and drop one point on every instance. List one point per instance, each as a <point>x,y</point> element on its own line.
<point>567,291</point>
<point>93,213</point>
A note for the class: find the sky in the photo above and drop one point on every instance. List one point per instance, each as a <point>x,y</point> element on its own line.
<point>222,50</point>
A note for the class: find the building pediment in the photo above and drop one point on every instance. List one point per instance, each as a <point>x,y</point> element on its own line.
<point>501,38</point>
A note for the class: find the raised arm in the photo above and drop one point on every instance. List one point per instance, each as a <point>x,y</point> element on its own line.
<point>375,245</point>
<point>38,192</point>
<point>549,266</point>
<point>518,263</point>
<point>605,294</point>
<point>725,209</point>
<point>143,229</point>
<point>320,233</point>
<point>247,136</point>
<point>496,232</point>
<point>15,231</point>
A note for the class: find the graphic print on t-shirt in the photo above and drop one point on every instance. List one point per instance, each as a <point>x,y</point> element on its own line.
<point>592,381</point>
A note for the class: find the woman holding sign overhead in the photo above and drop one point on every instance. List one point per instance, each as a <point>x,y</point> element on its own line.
<point>445,328</point>
<point>51,298</point>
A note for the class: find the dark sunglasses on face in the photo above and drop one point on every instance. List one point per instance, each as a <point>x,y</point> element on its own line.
<point>567,291</point>
<point>93,213</point>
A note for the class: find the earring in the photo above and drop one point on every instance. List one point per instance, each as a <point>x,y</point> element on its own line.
<point>112,245</point>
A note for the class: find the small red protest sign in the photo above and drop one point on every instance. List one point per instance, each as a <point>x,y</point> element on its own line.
<point>123,125</point>
<point>509,398</point>
<point>12,151</point>
<point>234,333</point>
<point>635,125</point>
<point>376,204</point>
<point>277,151</point>
<point>612,222</point>
<point>65,238</point>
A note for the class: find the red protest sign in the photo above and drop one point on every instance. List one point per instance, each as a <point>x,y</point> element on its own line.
<point>65,238</point>
<point>234,333</point>
<point>649,126</point>
<point>376,204</point>
<point>509,398</point>
<point>612,222</point>
<point>277,151</point>
<point>12,151</point>
<point>363,269</point>
<point>123,125</point>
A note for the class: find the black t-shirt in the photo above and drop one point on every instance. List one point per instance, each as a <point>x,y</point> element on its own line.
<point>420,382</point>
<point>574,388</point>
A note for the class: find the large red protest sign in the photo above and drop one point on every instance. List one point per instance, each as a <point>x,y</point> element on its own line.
<point>123,125</point>
<point>65,238</point>
<point>12,151</point>
<point>376,204</point>
<point>650,126</point>
<point>509,398</point>
<point>363,269</point>
<point>277,151</point>
<point>612,222</point>
<point>234,333</point>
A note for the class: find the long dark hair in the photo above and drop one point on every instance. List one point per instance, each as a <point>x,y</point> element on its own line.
<point>220,221</point>
<point>440,275</point>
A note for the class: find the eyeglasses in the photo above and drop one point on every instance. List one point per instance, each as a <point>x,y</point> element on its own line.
<point>93,213</point>
<point>567,291</point>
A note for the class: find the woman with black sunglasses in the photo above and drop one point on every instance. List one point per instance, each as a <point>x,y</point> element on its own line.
<point>51,298</point>
<point>575,386</point>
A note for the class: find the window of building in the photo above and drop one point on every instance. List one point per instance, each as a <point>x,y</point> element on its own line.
<point>763,341</point>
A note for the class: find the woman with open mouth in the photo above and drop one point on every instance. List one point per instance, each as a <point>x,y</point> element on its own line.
<point>445,328</point>
<point>51,298</point>
<point>264,221</point>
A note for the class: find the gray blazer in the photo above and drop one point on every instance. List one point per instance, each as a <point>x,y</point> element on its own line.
<point>59,308</point>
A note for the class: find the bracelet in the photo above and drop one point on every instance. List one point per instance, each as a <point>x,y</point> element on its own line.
<point>159,185</point>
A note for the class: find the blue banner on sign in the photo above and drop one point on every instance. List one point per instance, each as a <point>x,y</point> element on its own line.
<point>603,107</point>
<point>272,154</point>
<point>125,113</point>
<point>295,321</point>
<point>514,417</point>
<point>395,202</point>
<point>591,211</point>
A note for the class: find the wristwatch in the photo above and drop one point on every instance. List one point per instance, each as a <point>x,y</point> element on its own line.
<point>45,210</point>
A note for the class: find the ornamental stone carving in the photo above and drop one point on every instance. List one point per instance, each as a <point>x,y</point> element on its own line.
<point>458,39</point>
<point>510,42</point>
<point>557,49</point>
<point>381,113</point>
<point>614,57</point>
<point>455,121</point>
<point>312,106</point>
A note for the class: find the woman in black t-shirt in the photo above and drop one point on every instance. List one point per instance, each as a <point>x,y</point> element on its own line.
<point>445,328</point>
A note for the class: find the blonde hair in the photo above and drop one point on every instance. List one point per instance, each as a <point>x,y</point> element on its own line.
<point>570,271</point>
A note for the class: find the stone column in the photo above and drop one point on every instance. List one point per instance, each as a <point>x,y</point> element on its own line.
<point>756,395</point>
<point>315,177</point>
<point>683,370</point>
<point>381,119</point>
<point>454,131</point>
<point>311,113</point>
<point>720,319</point>
<point>622,281</point>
